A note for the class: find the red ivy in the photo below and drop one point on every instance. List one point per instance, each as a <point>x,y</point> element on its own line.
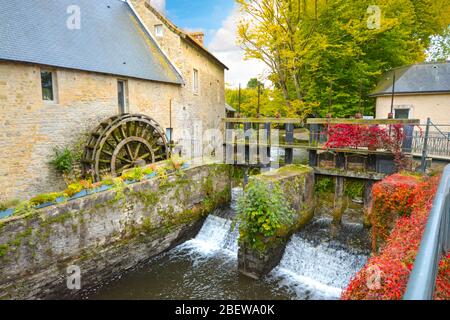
<point>372,137</point>
<point>397,258</point>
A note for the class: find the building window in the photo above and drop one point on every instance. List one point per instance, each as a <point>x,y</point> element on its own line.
<point>122,93</point>
<point>159,31</point>
<point>48,85</point>
<point>401,113</point>
<point>218,91</point>
<point>195,83</point>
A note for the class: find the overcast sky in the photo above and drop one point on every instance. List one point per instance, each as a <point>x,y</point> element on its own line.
<point>217,19</point>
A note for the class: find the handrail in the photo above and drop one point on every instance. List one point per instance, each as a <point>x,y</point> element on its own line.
<point>435,243</point>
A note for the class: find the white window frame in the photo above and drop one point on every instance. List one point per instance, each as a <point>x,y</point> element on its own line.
<point>195,81</point>
<point>159,30</point>
<point>404,107</point>
<point>218,91</point>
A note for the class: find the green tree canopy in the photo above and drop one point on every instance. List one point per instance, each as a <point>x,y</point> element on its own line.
<point>336,50</point>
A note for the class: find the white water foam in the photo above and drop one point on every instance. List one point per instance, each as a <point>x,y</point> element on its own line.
<point>216,235</point>
<point>324,269</point>
<point>318,271</point>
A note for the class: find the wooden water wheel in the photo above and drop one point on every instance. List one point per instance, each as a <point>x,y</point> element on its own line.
<point>123,142</point>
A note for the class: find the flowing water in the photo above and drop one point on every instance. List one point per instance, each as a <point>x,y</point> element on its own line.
<point>316,265</point>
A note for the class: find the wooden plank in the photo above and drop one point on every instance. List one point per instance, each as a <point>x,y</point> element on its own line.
<point>362,121</point>
<point>264,120</point>
<point>349,150</point>
<point>349,174</point>
<point>275,145</point>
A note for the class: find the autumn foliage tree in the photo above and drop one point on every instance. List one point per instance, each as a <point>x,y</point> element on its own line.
<point>322,51</point>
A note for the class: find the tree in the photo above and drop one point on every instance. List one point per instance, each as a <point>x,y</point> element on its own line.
<point>253,83</point>
<point>325,51</point>
<point>271,102</point>
<point>439,50</point>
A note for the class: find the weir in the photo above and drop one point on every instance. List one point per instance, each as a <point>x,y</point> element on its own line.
<point>250,142</point>
<point>315,265</point>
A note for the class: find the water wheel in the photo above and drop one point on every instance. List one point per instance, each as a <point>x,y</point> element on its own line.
<point>123,142</point>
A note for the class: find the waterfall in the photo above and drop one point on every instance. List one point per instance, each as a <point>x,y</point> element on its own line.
<point>318,270</point>
<point>216,235</point>
<point>314,266</point>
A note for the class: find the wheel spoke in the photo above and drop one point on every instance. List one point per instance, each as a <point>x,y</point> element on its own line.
<point>136,155</point>
<point>120,169</point>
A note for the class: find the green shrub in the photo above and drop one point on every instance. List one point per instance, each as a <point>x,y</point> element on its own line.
<point>324,184</point>
<point>135,174</point>
<point>5,205</point>
<point>262,214</point>
<point>354,188</point>
<point>44,198</point>
<point>62,160</point>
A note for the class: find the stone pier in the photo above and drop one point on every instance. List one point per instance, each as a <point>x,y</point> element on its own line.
<point>297,182</point>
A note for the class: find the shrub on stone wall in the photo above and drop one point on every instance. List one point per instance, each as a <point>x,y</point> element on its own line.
<point>392,198</point>
<point>385,276</point>
<point>263,214</point>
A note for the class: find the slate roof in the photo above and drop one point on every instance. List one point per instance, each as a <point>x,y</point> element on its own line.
<point>423,78</point>
<point>111,38</point>
<point>229,108</point>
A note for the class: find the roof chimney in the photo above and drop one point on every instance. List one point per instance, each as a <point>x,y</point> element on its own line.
<point>198,36</point>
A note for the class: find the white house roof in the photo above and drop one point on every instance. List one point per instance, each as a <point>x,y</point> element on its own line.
<point>416,79</point>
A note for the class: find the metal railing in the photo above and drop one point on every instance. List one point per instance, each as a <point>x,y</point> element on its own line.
<point>435,243</point>
<point>435,144</point>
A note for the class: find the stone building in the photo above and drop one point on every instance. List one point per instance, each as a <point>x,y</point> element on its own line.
<point>66,65</point>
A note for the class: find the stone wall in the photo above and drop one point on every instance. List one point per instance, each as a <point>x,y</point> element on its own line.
<point>297,183</point>
<point>209,104</point>
<point>105,234</point>
<point>30,127</point>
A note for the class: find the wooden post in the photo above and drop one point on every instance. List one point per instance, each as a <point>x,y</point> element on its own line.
<point>289,152</point>
<point>229,143</point>
<point>408,138</point>
<point>247,127</point>
<point>313,141</point>
<point>339,191</point>
<point>313,135</point>
<point>313,158</point>
<point>367,200</point>
<point>423,165</point>
<point>268,141</point>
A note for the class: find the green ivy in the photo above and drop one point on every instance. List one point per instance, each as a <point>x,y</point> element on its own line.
<point>262,214</point>
<point>324,184</point>
<point>354,188</point>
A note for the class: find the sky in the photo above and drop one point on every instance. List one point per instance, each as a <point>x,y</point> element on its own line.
<point>218,20</point>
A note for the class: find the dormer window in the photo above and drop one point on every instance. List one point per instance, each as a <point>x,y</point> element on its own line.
<point>159,31</point>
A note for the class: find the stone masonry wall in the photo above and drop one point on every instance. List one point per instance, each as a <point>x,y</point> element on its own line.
<point>208,106</point>
<point>31,128</point>
<point>105,234</point>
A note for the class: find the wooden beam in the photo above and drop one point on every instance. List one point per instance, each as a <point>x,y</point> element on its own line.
<point>349,174</point>
<point>350,150</point>
<point>264,120</point>
<point>362,121</point>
